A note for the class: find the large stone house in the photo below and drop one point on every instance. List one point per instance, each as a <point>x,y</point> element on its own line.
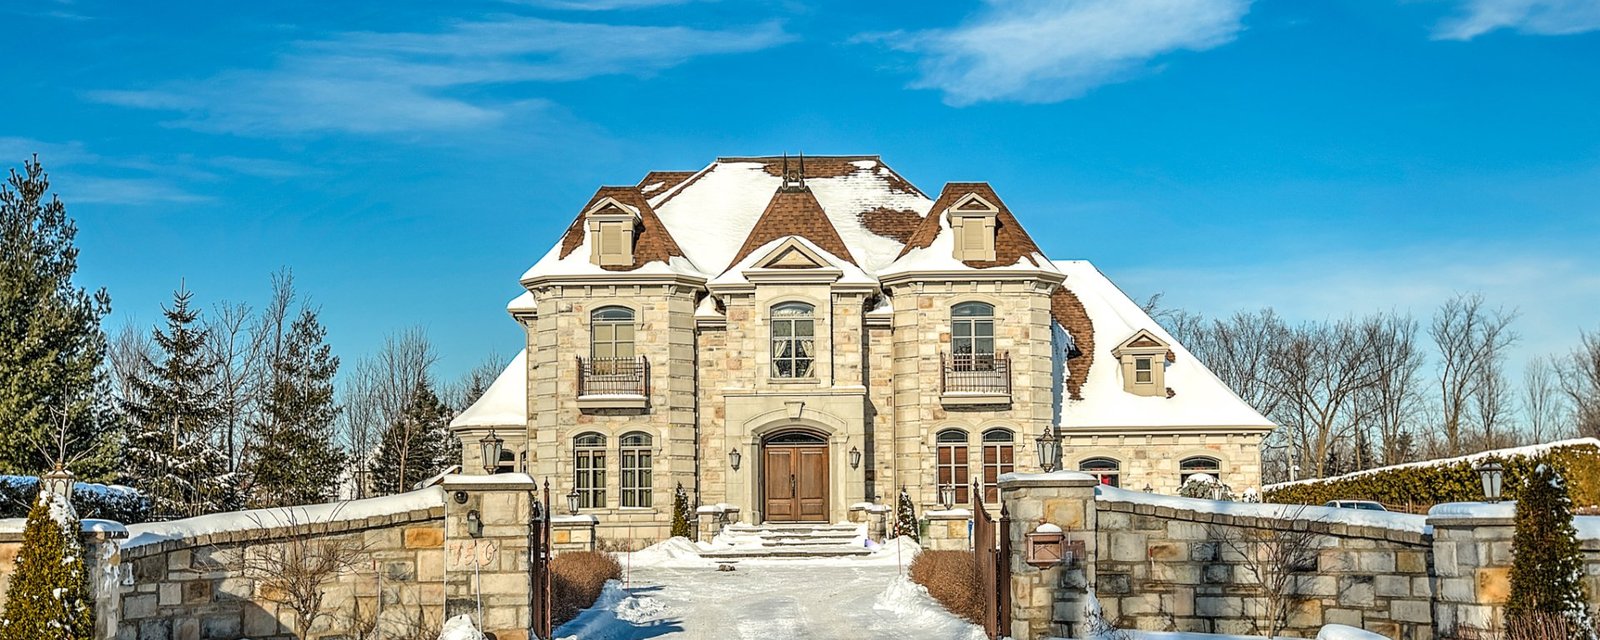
<point>797,338</point>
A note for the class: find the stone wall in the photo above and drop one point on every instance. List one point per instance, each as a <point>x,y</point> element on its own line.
<point>1472,549</point>
<point>1165,568</point>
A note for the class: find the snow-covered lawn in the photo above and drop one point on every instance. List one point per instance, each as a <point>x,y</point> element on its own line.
<point>771,600</point>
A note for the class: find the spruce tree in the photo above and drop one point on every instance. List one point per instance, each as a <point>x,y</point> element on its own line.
<point>169,453</point>
<point>680,514</point>
<point>905,517</point>
<point>1547,563</point>
<point>51,344</point>
<point>416,446</point>
<point>49,594</point>
<point>295,460</point>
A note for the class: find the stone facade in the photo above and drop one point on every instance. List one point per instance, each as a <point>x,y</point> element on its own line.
<point>1473,558</point>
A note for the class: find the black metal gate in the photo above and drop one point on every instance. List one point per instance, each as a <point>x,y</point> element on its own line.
<point>991,551</point>
<point>539,556</point>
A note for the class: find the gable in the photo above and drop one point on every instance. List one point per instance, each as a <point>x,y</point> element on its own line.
<point>1011,243</point>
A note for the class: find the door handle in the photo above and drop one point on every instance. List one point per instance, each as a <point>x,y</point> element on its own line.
<point>792,489</point>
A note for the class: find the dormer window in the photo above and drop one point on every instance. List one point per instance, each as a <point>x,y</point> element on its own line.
<point>1144,358</point>
<point>611,231</point>
<point>972,221</point>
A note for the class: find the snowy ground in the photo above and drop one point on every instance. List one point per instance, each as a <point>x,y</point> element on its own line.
<point>774,599</point>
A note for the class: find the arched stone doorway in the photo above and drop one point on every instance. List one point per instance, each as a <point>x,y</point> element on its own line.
<point>795,476</point>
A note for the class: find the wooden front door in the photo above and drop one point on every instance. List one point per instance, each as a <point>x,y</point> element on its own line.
<point>796,486</point>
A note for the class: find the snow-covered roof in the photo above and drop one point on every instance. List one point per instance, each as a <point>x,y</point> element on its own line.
<point>1200,399</point>
<point>504,403</point>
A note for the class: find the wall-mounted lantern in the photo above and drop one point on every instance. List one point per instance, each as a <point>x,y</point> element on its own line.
<point>572,502</point>
<point>1493,476</point>
<point>474,524</point>
<point>947,495</point>
<point>733,458</point>
<point>490,447</point>
<point>1049,448</point>
<point>855,458</point>
<point>1046,546</point>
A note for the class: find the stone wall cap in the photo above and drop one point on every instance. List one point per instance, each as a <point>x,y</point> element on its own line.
<point>574,520</point>
<point>1052,479</point>
<point>486,482</point>
<point>960,514</point>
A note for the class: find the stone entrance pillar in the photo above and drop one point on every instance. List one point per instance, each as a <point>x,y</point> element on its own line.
<point>1048,601</point>
<point>486,551</point>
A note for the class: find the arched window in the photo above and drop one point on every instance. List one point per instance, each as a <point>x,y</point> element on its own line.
<point>635,467</point>
<point>972,336</point>
<point>1107,470</point>
<point>507,462</point>
<point>589,470</point>
<point>998,460</point>
<point>610,338</point>
<point>952,462</point>
<point>1198,464</point>
<point>794,341</point>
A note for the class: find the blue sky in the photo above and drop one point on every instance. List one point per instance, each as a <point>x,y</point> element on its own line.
<point>409,160</point>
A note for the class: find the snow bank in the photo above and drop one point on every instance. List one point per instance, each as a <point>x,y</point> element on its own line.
<point>258,519</point>
<point>1514,452</point>
<point>615,604</point>
<point>672,552</point>
<point>1345,632</point>
<point>906,600</point>
<point>1355,517</point>
<point>460,628</point>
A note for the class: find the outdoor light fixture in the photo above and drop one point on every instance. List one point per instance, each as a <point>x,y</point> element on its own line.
<point>733,458</point>
<point>491,446</point>
<point>947,495</point>
<point>572,502</point>
<point>855,457</point>
<point>1049,449</point>
<point>1492,474</point>
<point>474,524</point>
<point>1149,489</point>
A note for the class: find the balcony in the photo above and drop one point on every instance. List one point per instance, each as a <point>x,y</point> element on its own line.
<point>974,379</point>
<point>613,383</point>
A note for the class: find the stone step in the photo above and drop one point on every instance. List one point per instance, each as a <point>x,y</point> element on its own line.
<point>818,551</point>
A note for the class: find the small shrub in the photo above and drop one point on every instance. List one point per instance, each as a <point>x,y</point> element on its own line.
<point>576,580</point>
<point>951,577</point>
<point>1540,626</point>
<point>1452,480</point>
<point>681,514</point>
<point>49,595</point>
<point>905,518</point>
<point>1547,565</point>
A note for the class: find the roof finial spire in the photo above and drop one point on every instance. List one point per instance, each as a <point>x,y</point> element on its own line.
<point>794,179</point>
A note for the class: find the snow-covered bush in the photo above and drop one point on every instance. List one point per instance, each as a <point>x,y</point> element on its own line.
<point>49,595</point>
<point>1454,479</point>
<point>1547,564</point>
<point>905,518</point>
<point>460,628</point>
<point>1203,485</point>
<point>106,502</point>
<point>951,577</point>
<point>576,580</point>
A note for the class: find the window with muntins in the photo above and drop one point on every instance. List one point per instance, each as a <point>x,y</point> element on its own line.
<point>999,458</point>
<point>589,470</point>
<point>794,341</point>
<point>1106,470</point>
<point>1188,467</point>
<point>952,462</point>
<point>611,333</point>
<point>635,468</point>
<point>1143,370</point>
<point>972,336</point>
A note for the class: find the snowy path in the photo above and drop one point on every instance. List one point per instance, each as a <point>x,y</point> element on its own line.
<point>771,601</point>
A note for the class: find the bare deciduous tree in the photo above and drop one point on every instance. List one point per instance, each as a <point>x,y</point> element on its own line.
<point>1471,339</point>
<point>1580,381</point>
<point>1319,370</point>
<point>378,391</point>
<point>1542,404</point>
<point>1273,559</point>
<point>296,572</point>
<point>129,355</point>
<point>237,354</point>
<point>1394,400</point>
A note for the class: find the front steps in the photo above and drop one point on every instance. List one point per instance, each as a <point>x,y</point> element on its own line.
<point>789,541</point>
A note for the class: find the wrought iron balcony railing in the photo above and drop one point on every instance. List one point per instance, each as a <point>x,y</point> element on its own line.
<point>613,376</point>
<point>986,374</point>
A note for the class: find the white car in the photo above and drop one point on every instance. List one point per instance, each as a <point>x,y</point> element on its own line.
<point>1355,504</point>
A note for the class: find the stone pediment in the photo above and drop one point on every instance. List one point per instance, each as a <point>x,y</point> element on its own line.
<point>1142,341</point>
<point>792,254</point>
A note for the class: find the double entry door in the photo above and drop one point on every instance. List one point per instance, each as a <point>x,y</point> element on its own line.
<point>795,487</point>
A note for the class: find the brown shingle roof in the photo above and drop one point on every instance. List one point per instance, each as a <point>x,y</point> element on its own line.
<point>667,180</point>
<point>652,243</point>
<point>1069,312</point>
<point>1011,242</point>
<point>794,212</point>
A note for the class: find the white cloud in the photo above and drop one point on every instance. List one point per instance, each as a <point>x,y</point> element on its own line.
<point>1535,17</point>
<point>372,82</point>
<point>1053,50</point>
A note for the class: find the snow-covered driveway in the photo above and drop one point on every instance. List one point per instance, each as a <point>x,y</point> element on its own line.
<point>772,601</point>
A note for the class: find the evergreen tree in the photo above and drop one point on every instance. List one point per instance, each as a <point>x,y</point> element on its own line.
<point>1547,564</point>
<point>681,516</point>
<point>295,460</point>
<point>169,453</point>
<point>51,344</point>
<point>905,517</point>
<point>49,594</point>
<point>416,446</point>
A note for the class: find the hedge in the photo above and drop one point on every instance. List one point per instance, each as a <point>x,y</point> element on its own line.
<point>1453,480</point>
<point>123,504</point>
